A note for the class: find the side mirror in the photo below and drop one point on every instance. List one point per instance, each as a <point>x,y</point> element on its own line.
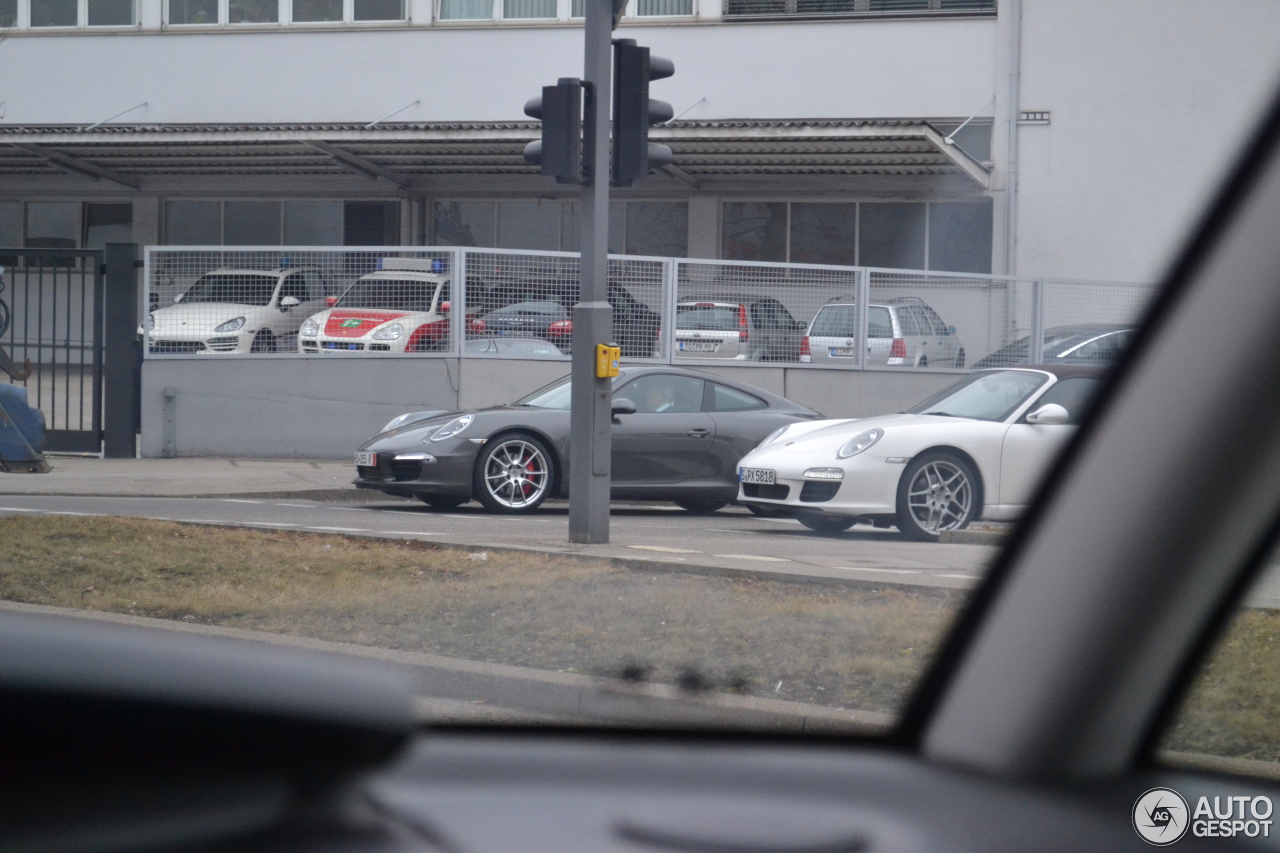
<point>331,301</point>
<point>444,307</point>
<point>289,302</point>
<point>951,330</point>
<point>178,297</point>
<point>623,406</point>
<point>1049,413</point>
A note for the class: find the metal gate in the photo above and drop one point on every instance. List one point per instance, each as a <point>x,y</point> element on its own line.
<point>56,307</point>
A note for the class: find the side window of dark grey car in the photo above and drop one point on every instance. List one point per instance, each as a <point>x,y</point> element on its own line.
<point>659,393</point>
<point>726,399</point>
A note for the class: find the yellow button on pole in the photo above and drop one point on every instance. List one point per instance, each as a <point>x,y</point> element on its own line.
<point>607,358</point>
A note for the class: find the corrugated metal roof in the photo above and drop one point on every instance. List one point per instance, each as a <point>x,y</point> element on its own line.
<point>403,150</point>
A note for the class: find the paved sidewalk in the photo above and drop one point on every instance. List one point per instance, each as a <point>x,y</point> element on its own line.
<point>205,478</point>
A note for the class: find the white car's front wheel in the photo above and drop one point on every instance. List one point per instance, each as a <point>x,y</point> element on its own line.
<point>937,492</point>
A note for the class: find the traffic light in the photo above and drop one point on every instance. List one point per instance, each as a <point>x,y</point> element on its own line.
<point>634,111</point>
<point>559,152</point>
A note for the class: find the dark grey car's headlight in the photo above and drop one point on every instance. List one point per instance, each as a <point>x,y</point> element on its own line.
<point>452,428</point>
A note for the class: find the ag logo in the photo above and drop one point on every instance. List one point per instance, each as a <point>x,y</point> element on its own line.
<point>1160,816</point>
<point>350,324</point>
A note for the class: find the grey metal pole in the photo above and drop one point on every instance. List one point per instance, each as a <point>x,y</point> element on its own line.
<point>120,376</point>
<point>590,416</point>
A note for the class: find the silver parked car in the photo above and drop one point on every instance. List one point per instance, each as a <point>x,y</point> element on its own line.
<point>748,328</point>
<point>900,331</point>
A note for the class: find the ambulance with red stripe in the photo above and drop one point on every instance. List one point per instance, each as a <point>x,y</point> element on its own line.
<point>402,307</point>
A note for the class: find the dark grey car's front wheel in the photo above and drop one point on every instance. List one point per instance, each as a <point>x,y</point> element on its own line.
<point>937,492</point>
<point>514,473</point>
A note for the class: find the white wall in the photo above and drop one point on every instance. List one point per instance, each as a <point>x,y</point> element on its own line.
<point>858,69</point>
<point>1150,100</point>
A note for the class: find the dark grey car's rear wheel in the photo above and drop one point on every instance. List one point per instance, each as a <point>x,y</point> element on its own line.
<point>702,507</point>
<point>937,492</point>
<point>513,474</point>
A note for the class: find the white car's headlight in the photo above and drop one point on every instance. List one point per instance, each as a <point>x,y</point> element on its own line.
<point>859,443</point>
<point>452,428</point>
<point>231,325</point>
<point>389,333</point>
<point>309,329</point>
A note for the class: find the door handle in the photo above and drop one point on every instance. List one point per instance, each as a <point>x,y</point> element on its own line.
<point>700,432</point>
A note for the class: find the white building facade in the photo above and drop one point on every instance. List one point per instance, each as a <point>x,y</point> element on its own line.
<point>1064,139</point>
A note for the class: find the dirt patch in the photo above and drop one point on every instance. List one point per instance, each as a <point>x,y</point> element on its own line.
<point>836,646</point>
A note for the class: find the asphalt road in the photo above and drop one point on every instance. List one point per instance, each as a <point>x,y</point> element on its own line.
<point>731,539</point>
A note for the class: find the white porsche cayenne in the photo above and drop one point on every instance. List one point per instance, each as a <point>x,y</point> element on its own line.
<point>975,450</point>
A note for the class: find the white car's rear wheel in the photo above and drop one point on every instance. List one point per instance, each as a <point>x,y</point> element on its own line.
<point>514,474</point>
<point>937,492</point>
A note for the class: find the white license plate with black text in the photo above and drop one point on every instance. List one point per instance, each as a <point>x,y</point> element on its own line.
<point>842,352</point>
<point>699,346</point>
<point>367,459</point>
<point>764,476</point>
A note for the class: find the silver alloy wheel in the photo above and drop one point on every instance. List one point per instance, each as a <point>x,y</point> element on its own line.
<point>940,497</point>
<point>516,474</point>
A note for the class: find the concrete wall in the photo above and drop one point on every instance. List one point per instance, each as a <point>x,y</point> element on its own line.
<point>292,407</point>
<point>1150,101</point>
<point>865,69</point>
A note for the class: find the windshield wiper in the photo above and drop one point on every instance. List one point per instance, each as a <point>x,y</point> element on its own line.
<point>943,414</point>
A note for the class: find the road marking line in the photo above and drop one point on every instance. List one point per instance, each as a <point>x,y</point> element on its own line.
<point>886,571</point>
<point>752,557</point>
<point>299,506</point>
<point>407,533</point>
<point>340,529</point>
<point>664,549</point>
<point>779,520</point>
<point>239,501</point>
<point>19,509</point>
<point>963,577</point>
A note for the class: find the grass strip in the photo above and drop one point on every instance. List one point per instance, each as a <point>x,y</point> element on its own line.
<point>835,646</point>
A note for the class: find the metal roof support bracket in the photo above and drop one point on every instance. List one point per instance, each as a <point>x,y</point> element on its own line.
<point>680,175</point>
<point>358,164</point>
<point>957,155</point>
<point>77,166</point>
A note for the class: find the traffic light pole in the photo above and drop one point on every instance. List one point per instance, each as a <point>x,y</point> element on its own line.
<point>590,412</point>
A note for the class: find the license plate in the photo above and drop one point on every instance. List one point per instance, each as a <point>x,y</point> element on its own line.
<point>699,346</point>
<point>842,352</point>
<point>764,476</point>
<point>366,459</point>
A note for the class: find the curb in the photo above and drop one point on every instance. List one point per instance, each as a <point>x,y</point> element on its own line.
<point>577,698</point>
<point>321,495</point>
<point>640,564</point>
<point>988,536</point>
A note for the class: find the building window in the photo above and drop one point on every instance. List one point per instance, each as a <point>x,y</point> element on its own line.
<point>110,13</point>
<point>379,10</point>
<point>309,11</point>
<point>312,223</point>
<point>647,8</point>
<point>253,11</point>
<point>276,223</point>
<point>107,223</point>
<point>658,228</point>
<point>944,236</point>
<point>855,8</point>
<point>54,13</point>
<point>528,9</point>
<point>8,13</point>
<point>466,10</point>
<point>755,231</point>
<point>52,225</point>
<point>892,235</point>
<point>824,233</point>
<point>193,11</point>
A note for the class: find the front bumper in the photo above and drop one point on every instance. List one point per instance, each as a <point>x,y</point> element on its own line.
<point>162,342</point>
<point>450,474</point>
<point>869,487</point>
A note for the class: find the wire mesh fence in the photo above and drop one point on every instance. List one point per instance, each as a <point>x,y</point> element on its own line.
<point>494,303</point>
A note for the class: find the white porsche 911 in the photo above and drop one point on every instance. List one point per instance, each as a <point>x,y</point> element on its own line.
<point>974,450</point>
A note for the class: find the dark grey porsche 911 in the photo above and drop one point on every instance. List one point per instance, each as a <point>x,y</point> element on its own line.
<point>677,436</point>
